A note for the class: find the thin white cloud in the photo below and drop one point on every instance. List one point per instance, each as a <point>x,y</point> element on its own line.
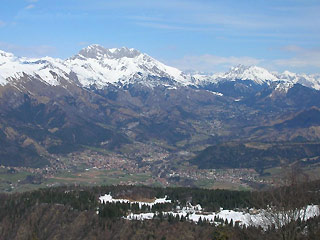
<point>302,57</point>
<point>292,49</point>
<point>301,60</point>
<point>83,43</point>
<point>211,16</point>
<point>171,26</point>
<point>2,23</point>
<point>28,51</point>
<point>145,18</point>
<point>30,6</point>
<point>212,63</point>
<point>296,62</point>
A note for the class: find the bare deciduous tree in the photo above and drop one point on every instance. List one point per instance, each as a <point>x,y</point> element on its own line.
<point>286,208</point>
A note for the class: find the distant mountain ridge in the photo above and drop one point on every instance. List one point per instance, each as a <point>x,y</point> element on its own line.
<point>93,65</point>
<point>261,76</point>
<point>100,67</point>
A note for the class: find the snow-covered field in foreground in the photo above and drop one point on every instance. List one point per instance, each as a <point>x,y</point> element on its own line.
<point>191,213</point>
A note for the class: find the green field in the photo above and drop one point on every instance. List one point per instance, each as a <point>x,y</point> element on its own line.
<point>16,181</point>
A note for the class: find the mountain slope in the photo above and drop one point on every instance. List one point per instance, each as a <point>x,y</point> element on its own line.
<point>118,98</point>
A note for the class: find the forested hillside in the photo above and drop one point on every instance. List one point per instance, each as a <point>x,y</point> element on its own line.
<point>75,213</point>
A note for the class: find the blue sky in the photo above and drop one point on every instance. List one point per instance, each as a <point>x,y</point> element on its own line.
<point>202,35</point>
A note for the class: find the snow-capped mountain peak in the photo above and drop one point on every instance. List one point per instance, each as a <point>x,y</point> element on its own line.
<point>13,68</point>
<point>4,54</point>
<point>99,66</point>
<point>289,74</point>
<point>96,51</point>
<point>257,74</point>
<point>94,65</point>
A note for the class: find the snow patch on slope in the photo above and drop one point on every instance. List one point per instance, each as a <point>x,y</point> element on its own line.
<point>261,218</point>
<point>252,217</point>
<point>107,198</point>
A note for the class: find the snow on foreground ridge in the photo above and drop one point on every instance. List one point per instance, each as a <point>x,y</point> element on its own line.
<point>262,218</point>
<point>191,213</point>
<point>107,198</point>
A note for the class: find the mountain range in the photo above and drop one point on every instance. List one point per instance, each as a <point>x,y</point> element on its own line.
<point>100,67</point>
<point>110,98</point>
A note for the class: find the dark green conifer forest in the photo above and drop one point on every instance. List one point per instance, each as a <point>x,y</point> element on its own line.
<point>76,213</point>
